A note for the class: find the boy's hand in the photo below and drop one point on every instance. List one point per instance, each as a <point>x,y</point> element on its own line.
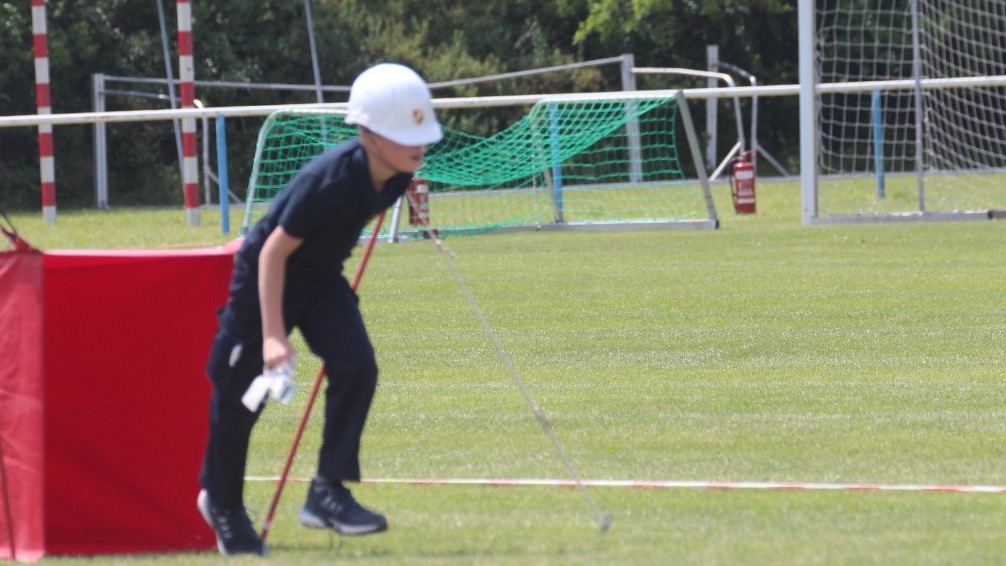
<point>276,381</point>
<point>276,352</point>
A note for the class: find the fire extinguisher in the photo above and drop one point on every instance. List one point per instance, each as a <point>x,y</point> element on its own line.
<point>744,185</point>
<point>418,196</point>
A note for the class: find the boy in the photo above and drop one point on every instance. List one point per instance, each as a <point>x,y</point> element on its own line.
<point>289,273</point>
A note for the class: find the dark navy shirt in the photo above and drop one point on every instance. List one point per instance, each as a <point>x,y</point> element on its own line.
<point>327,204</point>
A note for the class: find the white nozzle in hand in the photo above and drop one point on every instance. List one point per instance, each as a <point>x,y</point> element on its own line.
<point>276,382</point>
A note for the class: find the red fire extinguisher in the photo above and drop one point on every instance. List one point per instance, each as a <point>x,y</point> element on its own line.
<point>418,196</point>
<point>744,185</point>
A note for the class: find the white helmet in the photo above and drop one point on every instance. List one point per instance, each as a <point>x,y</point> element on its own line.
<point>392,100</point>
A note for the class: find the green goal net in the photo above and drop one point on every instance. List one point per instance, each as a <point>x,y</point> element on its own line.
<point>575,161</point>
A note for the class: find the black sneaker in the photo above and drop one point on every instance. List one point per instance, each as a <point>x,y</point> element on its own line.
<point>333,507</point>
<point>235,533</point>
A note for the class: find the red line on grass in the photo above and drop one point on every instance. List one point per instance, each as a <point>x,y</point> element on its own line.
<point>672,484</point>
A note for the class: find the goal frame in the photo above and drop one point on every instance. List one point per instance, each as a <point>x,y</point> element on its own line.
<point>395,230</point>
<point>810,90</point>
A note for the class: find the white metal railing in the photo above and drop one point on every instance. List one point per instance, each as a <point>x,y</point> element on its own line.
<point>34,120</point>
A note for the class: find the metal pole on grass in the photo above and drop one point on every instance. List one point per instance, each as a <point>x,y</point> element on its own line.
<point>267,523</point>
<point>43,102</point>
<point>170,72</point>
<point>314,52</point>
<point>877,113</point>
<point>223,178</point>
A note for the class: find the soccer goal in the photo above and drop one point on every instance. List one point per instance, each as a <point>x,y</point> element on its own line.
<point>910,110</point>
<point>593,161</point>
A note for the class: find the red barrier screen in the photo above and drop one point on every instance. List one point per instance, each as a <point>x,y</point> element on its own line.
<point>104,399</point>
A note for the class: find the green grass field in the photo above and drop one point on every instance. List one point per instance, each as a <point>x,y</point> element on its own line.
<point>762,351</point>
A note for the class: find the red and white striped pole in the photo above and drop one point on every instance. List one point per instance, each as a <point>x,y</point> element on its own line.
<point>44,104</point>
<point>186,75</point>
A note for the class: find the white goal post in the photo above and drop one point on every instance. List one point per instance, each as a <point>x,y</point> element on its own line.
<point>903,109</point>
<point>613,160</point>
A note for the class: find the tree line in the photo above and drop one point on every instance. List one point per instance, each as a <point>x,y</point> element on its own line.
<point>267,41</point>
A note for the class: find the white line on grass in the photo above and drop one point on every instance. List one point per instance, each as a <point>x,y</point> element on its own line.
<point>724,485</point>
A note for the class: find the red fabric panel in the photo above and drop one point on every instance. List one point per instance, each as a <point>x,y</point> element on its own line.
<point>126,397</point>
<point>21,457</point>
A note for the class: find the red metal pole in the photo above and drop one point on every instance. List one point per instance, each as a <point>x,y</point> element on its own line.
<point>44,104</point>
<point>186,86</point>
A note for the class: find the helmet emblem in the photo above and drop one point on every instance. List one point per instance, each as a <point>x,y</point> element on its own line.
<point>417,116</point>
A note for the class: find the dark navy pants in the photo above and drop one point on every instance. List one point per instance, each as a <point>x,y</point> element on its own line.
<point>331,324</point>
